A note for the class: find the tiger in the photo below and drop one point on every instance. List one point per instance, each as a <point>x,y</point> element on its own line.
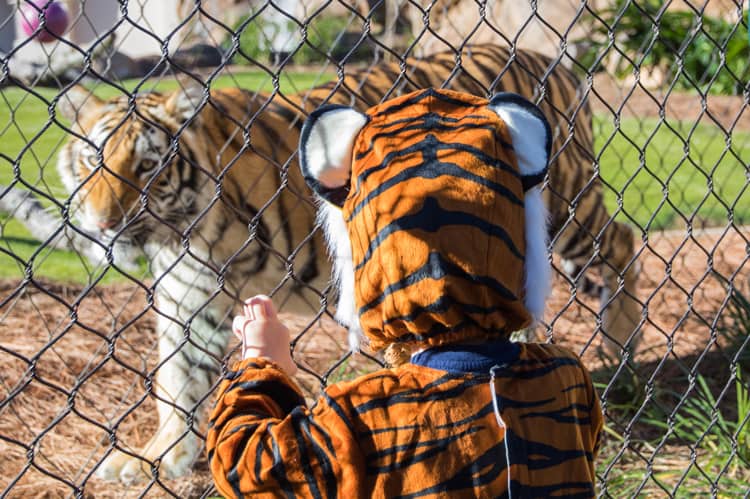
<point>205,182</point>
<point>427,192</point>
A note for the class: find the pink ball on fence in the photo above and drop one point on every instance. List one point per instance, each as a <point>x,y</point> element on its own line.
<point>55,16</point>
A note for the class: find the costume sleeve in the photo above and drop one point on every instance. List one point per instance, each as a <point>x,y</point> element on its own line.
<point>263,440</point>
<point>597,423</point>
<point>597,419</point>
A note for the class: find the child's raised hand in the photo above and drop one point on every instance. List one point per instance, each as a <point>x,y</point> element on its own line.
<point>262,334</point>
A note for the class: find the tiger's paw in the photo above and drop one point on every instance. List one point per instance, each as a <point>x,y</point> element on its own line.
<point>620,319</point>
<point>171,461</point>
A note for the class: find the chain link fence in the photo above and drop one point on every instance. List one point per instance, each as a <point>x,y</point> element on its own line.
<point>149,184</point>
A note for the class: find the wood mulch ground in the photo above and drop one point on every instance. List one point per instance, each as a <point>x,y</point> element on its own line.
<point>63,381</point>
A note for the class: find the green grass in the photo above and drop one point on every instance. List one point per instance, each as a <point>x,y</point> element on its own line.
<point>660,189</point>
<point>685,174</point>
<point>25,134</point>
<point>698,450</point>
<point>20,253</point>
<point>693,429</point>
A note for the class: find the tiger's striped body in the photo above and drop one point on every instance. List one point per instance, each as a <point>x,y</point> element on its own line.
<point>227,214</point>
<point>216,226</point>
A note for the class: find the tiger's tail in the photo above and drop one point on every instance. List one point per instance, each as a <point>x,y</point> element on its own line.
<point>45,226</point>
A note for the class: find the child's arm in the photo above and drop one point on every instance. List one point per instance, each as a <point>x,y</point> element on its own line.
<point>597,418</point>
<point>262,438</point>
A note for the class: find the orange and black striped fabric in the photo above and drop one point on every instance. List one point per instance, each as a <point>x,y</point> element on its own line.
<point>436,221</point>
<point>413,431</point>
<point>435,212</point>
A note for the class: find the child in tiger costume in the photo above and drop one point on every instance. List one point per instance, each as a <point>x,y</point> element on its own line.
<point>435,221</point>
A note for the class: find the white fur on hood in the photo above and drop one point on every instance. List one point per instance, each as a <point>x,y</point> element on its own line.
<point>531,137</point>
<point>340,249</point>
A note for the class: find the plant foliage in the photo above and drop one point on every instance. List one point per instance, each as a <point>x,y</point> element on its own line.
<point>323,37</point>
<point>704,53</point>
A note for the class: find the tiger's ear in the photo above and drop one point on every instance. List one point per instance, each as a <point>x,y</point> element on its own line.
<point>78,101</point>
<point>530,133</point>
<point>184,103</point>
<point>325,149</point>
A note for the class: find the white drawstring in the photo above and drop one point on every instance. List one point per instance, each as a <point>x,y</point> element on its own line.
<point>501,422</point>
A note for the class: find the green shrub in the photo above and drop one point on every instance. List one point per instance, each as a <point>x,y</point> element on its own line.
<point>734,329</point>
<point>326,36</point>
<point>651,38</point>
<point>250,33</point>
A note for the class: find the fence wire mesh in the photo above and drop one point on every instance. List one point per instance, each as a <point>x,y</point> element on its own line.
<point>148,156</point>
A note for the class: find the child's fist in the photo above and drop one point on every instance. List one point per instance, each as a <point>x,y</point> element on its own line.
<point>262,334</point>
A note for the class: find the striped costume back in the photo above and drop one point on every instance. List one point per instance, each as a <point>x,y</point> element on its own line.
<point>414,431</point>
<point>434,173</point>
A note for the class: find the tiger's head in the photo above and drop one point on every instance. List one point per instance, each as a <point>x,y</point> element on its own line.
<point>124,165</point>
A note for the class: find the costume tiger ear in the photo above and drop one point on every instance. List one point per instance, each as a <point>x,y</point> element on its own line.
<point>531,134</point>
<point>325,149</point>
<point>532,141</point>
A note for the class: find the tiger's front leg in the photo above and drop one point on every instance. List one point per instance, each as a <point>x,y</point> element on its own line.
<point>621,310</point>
<point>193,334</point>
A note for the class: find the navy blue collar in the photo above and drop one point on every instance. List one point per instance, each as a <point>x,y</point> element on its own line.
<point>462,358</point>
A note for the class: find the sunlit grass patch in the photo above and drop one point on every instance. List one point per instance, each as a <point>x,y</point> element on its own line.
<point>673,173</point>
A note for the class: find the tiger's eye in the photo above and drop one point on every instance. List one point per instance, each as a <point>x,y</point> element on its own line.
<point>147,165</point>
<point>90,160</point>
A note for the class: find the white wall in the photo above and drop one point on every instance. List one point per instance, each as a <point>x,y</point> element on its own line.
<point>158,17</point>
<point>91,19</point>
<point>8,30</point>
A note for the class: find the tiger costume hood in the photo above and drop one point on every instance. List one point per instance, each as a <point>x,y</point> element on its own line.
<point>432,210</point>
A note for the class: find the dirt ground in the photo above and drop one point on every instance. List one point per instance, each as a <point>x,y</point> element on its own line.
<point>73,363</point>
